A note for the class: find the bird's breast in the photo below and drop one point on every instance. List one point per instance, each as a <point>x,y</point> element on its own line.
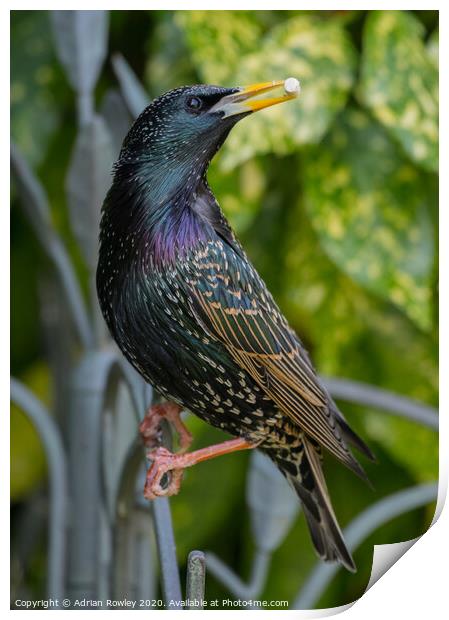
<point>156,328</point>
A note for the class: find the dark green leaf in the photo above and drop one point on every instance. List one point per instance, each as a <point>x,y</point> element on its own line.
<point>169,64</point>
<point>209,493</point>
<point>35,84</point>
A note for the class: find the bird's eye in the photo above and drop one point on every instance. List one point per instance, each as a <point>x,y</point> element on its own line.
<point>194,104</point>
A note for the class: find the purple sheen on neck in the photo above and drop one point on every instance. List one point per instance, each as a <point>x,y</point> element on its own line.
<point>173,236</point>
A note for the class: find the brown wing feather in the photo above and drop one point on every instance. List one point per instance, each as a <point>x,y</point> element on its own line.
<point>260,341</point>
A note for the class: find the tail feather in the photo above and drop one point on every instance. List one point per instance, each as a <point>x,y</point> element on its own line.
<point>354,440</point>
<point>312,490</point>
<point>351,438</point>
<point>348,434</point>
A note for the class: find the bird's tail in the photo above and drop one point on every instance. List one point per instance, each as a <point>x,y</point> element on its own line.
<point>309,483</point>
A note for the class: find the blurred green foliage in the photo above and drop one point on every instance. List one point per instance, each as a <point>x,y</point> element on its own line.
<point>333,195</point>
<point>399,83</point>
<point>27,454</point>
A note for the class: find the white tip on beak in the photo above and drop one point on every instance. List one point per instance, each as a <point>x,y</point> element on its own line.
<point>292,85</point>
<point>252,98</point>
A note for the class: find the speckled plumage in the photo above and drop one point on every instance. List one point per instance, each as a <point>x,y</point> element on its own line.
<point>192,315</point>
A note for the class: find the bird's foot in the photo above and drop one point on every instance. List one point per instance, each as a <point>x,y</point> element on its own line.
<point>163,466</point>
<point>165,462</point>
<point>150,427</point>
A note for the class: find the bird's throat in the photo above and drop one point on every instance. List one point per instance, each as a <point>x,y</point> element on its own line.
<point>151,214</point>
<point>171,235</point>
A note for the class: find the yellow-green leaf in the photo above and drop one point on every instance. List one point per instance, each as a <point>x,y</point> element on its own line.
<point>240,192</point>
<point>218,40</point>
<point>321,56</point>
<point>371,210</point>
<point>349,331</point>
<point>433,47</point>
<point>399,83</point>
<point>28,463</point>
<point>314,50</point>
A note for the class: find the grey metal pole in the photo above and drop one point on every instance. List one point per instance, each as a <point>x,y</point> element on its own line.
<point>133,570</point>
<point>171,585</point>
<point>363,394</point>
<point>58,496</point>
<point>36,208</point>
<point>196,580</point>
<point>85,432</point>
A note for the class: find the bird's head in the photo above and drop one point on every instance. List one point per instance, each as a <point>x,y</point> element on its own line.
<point>176,136</point>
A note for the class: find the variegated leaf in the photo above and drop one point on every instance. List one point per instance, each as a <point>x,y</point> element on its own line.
<point>218,41</point>
<point>321,56</point>
<point>316,51</point>
<point>350,331</point>
<point>399,83</point>
<point>371,210</point>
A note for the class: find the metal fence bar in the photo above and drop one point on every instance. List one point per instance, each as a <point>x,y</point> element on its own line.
<point>144,570</point>
<point>196,580</point>
<point>133,564</point>
<point>363,394</point>
<point>58,495</point>
<point>84,450</point>
<point>358,530</point>
<point>171,585</point>
<point>36,208</point>
<point>239,588</point>
<point>87,574</point>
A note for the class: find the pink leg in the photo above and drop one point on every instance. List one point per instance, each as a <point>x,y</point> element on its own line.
<point>150,426</point>
<point>164,461</point>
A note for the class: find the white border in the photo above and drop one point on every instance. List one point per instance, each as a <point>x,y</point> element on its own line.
<point>417,584</point>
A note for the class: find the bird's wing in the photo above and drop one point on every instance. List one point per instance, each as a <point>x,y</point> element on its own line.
<point>232,302</point>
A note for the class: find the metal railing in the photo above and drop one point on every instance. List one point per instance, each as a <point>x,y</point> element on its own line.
<point>104,539</point>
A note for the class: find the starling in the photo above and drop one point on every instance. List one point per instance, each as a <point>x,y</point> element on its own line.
<point>191,314</point>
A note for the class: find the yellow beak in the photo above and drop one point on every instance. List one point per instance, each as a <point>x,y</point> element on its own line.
<point>249,99</point>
